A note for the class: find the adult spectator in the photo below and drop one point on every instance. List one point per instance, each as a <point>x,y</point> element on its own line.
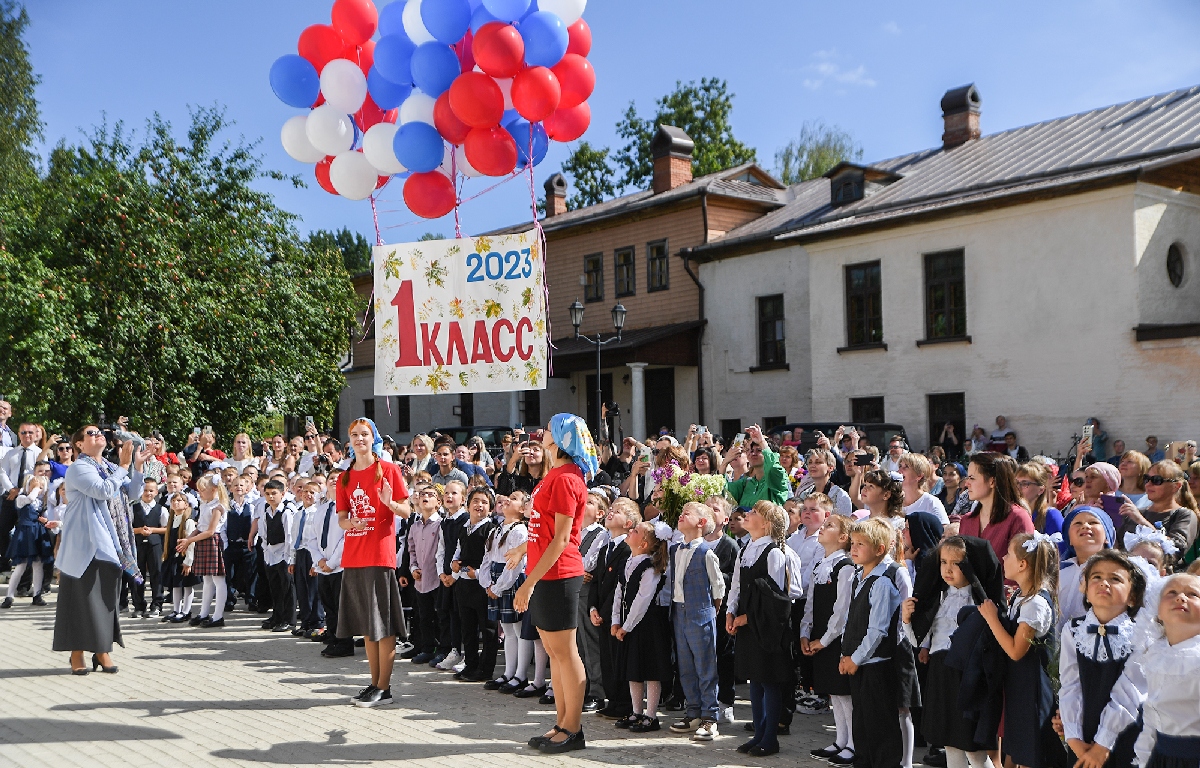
<point>979,440</point>
<point>764,479</point>
<point>479,456</point>
<point>1099,480</point>
<point>949,442</point>
<point>997,515</point>
<point>789,461</point>
<point>422,448</point>
<point>1099,444</point>
<point>1133,466</point>
<point>997,436</point>
<point>1172,506</point>
<point>95,547</point>
<point>705,462</point>
<point>243,453</point>
<point>8,439</point>
<point>465,468</point>
<point>60,455</point>
<point>524,470</point>
<point>896,449</point>
<point>917,472</point>
<point>1015,452</point>
<point>618,466</point>
<point>953,495</point>
<point>158,444</point>
<point>1036,489</point>
<point>16,465</point>
<point>202,454</point>
<point>1118,450</point>
<point>1153,452</point>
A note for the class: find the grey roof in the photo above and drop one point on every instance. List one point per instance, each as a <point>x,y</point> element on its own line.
<point>1079,149</point>
<point>630,339</point>
<point>721,184</point>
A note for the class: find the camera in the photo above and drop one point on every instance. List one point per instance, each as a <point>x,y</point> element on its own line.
<point>612,408</point>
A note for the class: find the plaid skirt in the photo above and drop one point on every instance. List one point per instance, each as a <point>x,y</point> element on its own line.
<point>208,560</point>
<point>501,608</point>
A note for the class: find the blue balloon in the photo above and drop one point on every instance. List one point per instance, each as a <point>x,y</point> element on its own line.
<point>508,116</point>
<point>545,37</point>
<point>385,93</point>
<point>357,133</point>
<point>393,58</point>
<point>479,17</point>
<point>391,20</point>
<point>419,147</point>
<point>520,130</point>
<point>434,67</point>
<point>506,10</point>
<point>533,8</point>
<point>295,81</point>
<point>446,20</point>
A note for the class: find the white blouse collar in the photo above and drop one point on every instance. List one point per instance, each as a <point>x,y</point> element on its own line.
<point>1117,638</point>
<point>824,570</point>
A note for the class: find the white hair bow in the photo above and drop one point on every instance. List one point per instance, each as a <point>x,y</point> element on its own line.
<point>1145,534</point>
<point>1037,538</point>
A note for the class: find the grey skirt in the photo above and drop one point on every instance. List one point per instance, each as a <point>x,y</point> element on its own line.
<point>370,604</point>
<point>86,615</point>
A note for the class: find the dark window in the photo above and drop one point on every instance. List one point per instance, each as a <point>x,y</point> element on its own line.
<point>1175,265</point>
<point>466,402</point>
<point>660,401</point>
<point>593,277</point>
<point>626,275</point>
<point>403,413</point>
<point>729,428</point>
<point>866,410</point>
<point>593,408</point>
<point>948,408</point>
<point>848,191</point>
<point>771,345</point>
<point>770,422</point>
<point>656,266</point>
<point>945,295</point>
<point>864,304</point>
<point>533,407</point>
<point>369,408</point>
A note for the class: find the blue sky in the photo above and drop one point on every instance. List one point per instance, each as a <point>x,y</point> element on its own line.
<point>877,69</point>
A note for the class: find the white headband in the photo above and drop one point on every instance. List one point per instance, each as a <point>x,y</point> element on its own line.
<point>1037,538</point>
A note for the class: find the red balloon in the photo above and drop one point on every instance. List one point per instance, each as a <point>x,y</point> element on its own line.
<point>447,123</point>
<point>371,114</point>
<point>491,151</point>
<point>355,20</point>
<point>362,55</point>
<point>535,93</point>
<point>465,49</point>
<point>429,195</point>
<point>320,44</point>
<point>477,100</point>
<point>499,49</point>
<point>320,100</point>
<point>577,78</point>
<point>568,124</point>
<point>579,38</point>
<point>383,180</point>
<point>322,171</point>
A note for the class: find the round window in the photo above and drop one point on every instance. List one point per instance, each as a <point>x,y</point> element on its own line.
<point>1175,265</point>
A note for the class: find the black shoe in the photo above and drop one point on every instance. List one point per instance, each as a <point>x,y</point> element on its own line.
<point>538,741</point>
<point>478,676</point>
<point>410,654</point>
<point>573,742</point>
<point>298,631</point>
<point>784,730</point>
<point>210,624</point>
<point>376,698</point>
<point>512,686</point>
<point>181,618</point>
<point>197,621</point>
<point>547,698</point>
<point>282,628</point>
<point>745,747</point>
<point>335,651</point>
<point>97,665</point>
<point>494,685</point>
<point>645,725</point>
<point>422,658</point>
<point>592,704</point>
<point>145,614</point>
<point>360,642</point>
<point>628,721</point>
<point>7,603</point>
<point>530,691</point>
<point>612,712</point>
<point>358,696</point>
<point>935,758</point>
<point>763,751</point>
<point>268,625</point>
<point>839,760</point>
<point>827,752</point>
<point>37,600</point>
<point>166,617</point>
<point>749,727</point>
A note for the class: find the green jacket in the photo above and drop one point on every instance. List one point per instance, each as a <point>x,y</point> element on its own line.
<point>773,487</point>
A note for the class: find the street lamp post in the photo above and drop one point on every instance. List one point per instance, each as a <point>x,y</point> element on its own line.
<point>618,320</point>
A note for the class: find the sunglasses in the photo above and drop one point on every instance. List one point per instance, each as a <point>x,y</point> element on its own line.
<point>93,433</point>
<point>1077,482</point>
<point>1158,480</point>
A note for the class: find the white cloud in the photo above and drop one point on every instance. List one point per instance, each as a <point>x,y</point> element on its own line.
<point>892,28</point>
<point>826,70</point>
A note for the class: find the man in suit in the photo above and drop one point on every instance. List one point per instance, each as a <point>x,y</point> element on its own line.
<point>610,564</point>
<point>16,465</point>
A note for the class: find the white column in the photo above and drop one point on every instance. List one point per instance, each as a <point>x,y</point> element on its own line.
<point>514,408</point>
<point>637,408</point>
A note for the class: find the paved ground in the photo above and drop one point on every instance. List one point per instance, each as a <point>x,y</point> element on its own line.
<point>241,696</point>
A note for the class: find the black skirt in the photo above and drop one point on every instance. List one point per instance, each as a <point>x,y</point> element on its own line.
<point>554,606</point>
<point>906,672</point>
<point>173,576</point>
<point>827,680</point>
<point>942,721</point>
<point>1175,752</point>
<point>85,618</point>
<point>369,604</point>
<point>645,653</point>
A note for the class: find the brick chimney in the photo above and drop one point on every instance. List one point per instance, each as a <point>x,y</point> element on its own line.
<point>672,152</point>
<point>960,113</point>
<point>556,195</point>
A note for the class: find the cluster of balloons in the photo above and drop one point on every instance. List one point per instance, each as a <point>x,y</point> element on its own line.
<point>478,87</point>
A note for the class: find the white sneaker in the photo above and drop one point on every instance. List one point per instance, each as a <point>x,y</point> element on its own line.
<point>403,647</point>
<point>725,715</point>
<point>706,732</point>
<point>460,667</point>
<point>452,658</point>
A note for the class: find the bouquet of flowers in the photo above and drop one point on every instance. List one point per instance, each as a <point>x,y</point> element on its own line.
<point>678,487</point>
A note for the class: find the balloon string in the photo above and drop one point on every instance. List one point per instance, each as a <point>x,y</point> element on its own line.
<point>541,246</point>
<point>375,218</point>
<point>457,201</point>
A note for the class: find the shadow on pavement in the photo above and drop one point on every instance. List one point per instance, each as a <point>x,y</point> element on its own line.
<point>20,730</point>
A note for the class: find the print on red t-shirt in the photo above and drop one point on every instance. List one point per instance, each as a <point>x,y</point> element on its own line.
<point>561,492</point>
<point>375,545</point>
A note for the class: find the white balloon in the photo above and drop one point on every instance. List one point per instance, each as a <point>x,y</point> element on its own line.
<point>447,159</point>
<point>462,165</point>
<point>344,85</point>
<point>353,176</point>
<point>567,10</point>
<point>417,108</point>
<point>329,129</point>
<point>296,143</point>
<point>377,146</point>
<point>413,26</point>
<point>506,88</point>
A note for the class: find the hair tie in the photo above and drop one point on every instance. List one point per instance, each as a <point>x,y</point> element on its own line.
<point>1036,538</point>
<point>1144,534</point>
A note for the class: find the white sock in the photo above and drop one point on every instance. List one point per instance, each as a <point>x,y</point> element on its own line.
<point>907,735</point>
<point>653,694</point>
<point>177,599</point>
<point>512,641</point>
<point>206,595</point>
<point>524,656</point>
<point>189,593</point>
<point>843,710</point>
<point>221,596</point>
<point>37,586</point>
<point>14,578</point>
<point>541,662</point>
<point>636,692</point>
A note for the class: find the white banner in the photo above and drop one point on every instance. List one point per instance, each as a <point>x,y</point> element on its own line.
<point>460,316</point>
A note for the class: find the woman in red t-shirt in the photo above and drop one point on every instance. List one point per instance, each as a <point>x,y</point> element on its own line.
<point>554,571</point>
<point>369,496</point>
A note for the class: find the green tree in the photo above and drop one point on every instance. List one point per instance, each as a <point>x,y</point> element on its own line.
<point>591,176</point>
<point>703,111</point>
<point>19,121</point>
<point>818,148</point>
<point>431,236</point>
<point>353,248</point>
<point>151,279</point>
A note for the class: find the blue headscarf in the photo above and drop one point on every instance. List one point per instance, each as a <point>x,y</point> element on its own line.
<point>573,438</point>
<point>1110,533</point>
<point>376,444</point>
